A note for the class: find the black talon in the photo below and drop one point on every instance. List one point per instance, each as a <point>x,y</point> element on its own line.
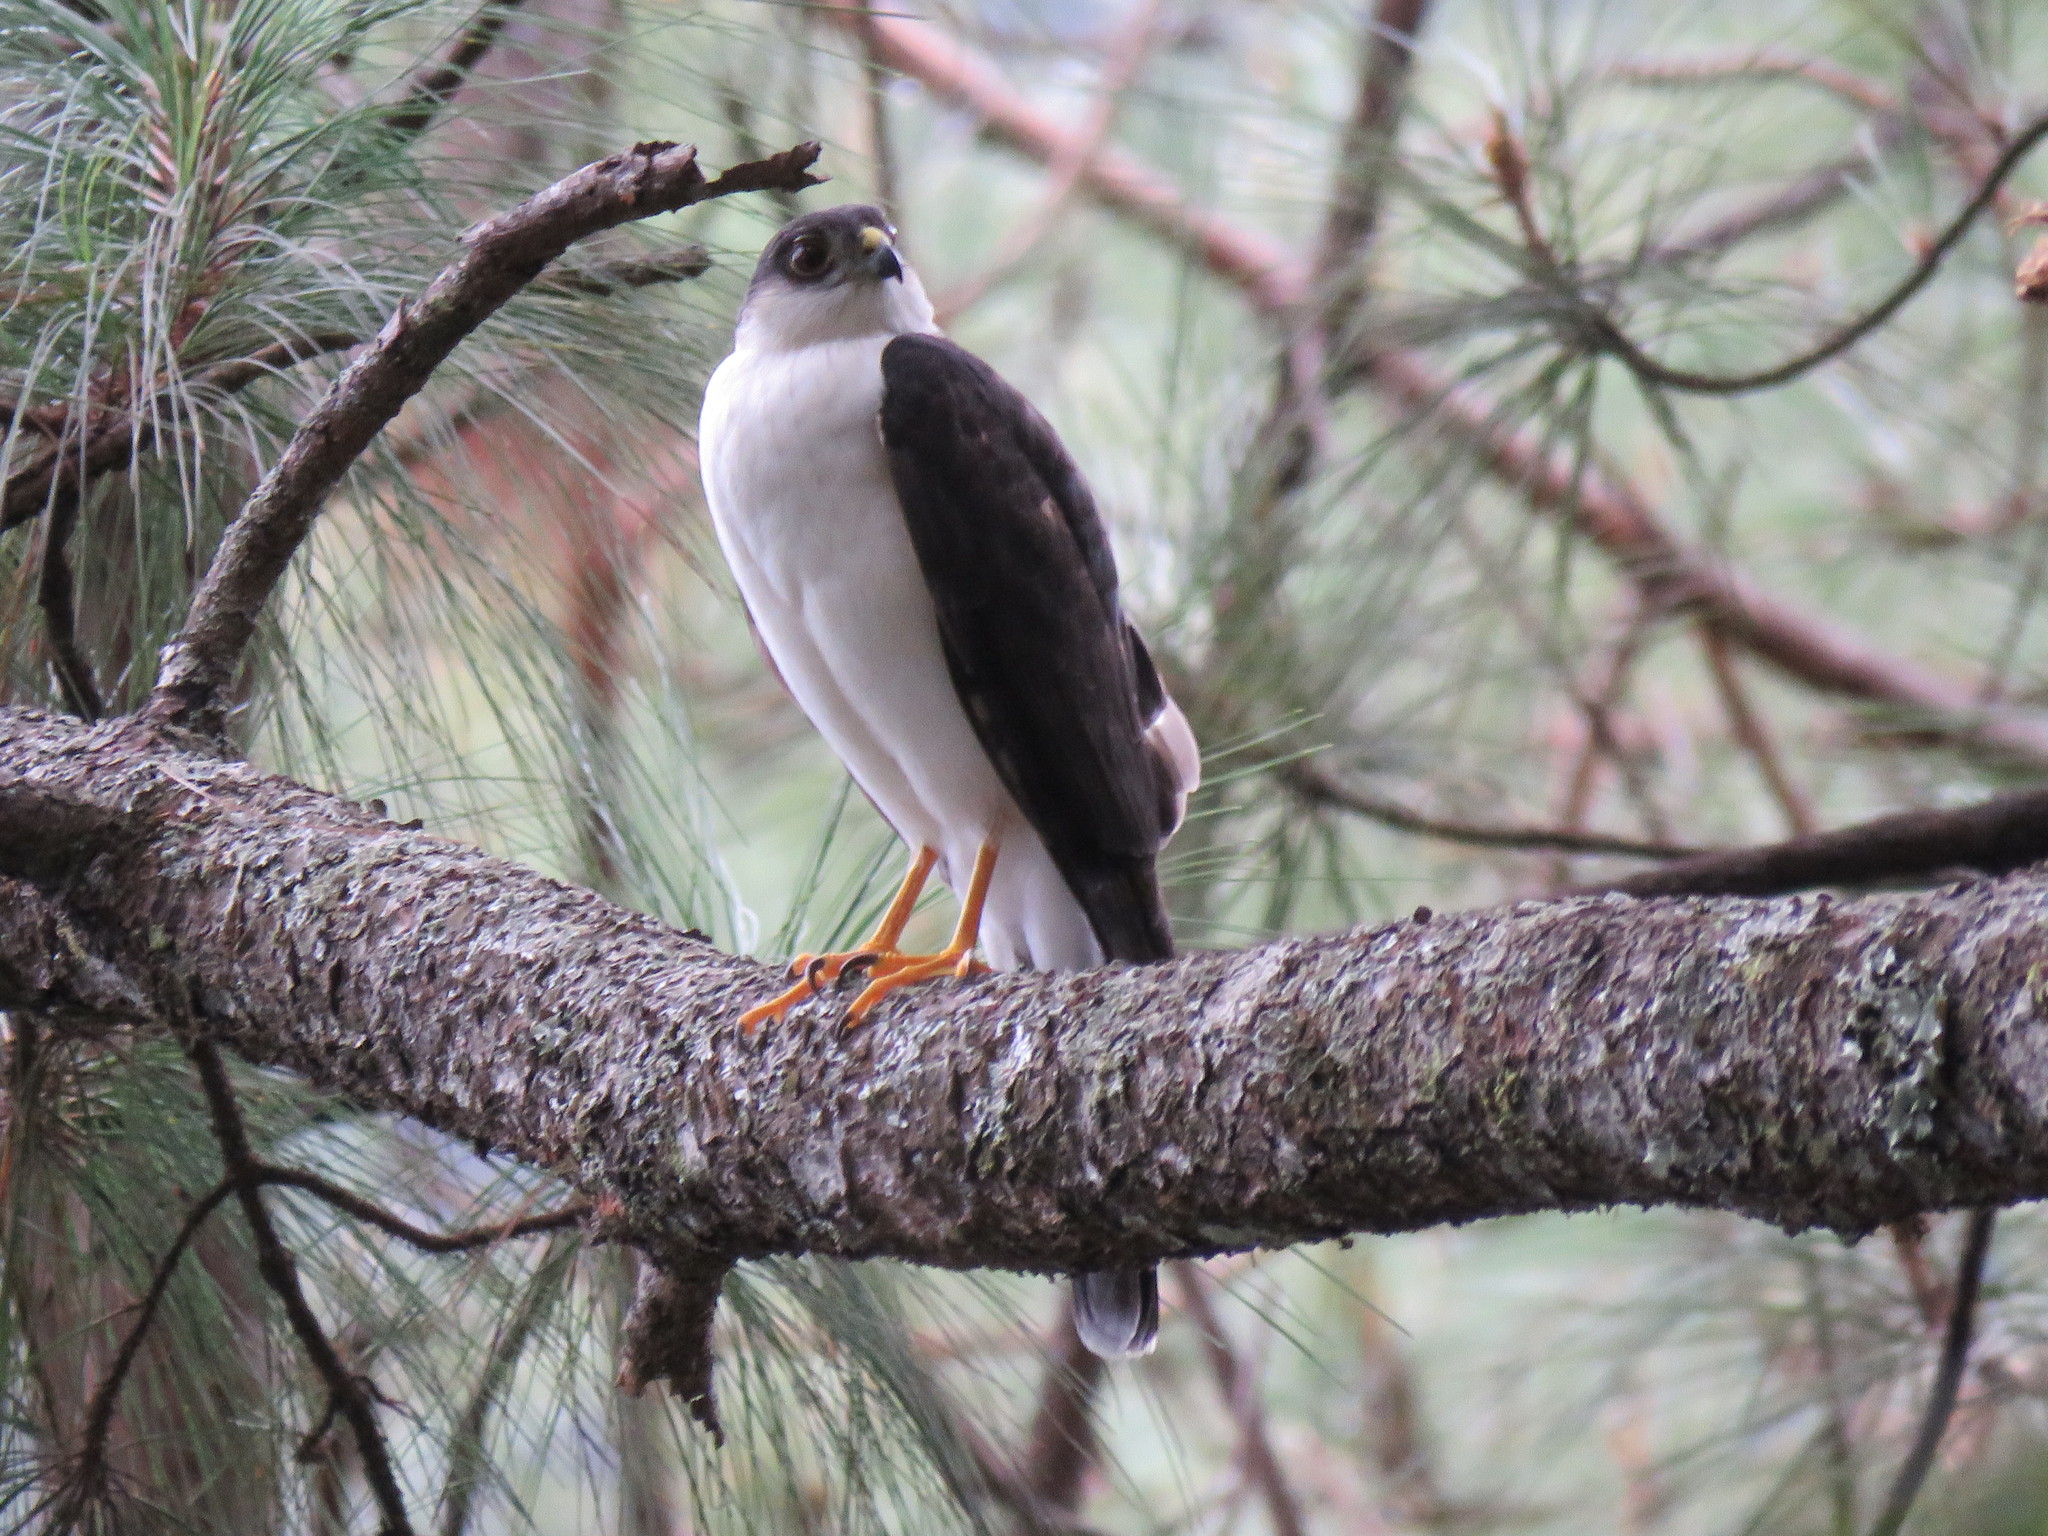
<point>858,966</point>
<point>811,972</point>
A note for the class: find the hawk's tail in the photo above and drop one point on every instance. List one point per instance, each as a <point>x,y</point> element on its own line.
<point>1116,1311</point>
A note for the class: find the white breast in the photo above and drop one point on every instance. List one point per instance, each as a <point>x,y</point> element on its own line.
<point>800,494</point>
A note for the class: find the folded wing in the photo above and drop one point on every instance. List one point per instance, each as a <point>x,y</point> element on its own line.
<point>1057,684</point>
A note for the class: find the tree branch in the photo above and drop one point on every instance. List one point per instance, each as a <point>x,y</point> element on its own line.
<point>1316,787</point>
<point>1948,1378</point>
<point>462,1240</point>
<point>430,91</point>
<point>57,597</point>
<point>1241,1401</point>
<point>1808,1062</point>
<point>350,1397</point>
<point>500,257</point>
<point>1995,837</point>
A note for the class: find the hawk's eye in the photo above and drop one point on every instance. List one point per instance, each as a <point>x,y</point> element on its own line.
<point>809,256</point>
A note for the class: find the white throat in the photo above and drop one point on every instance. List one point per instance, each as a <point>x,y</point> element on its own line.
<point>781,317</point>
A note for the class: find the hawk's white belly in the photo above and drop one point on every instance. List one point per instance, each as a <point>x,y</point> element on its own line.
<point>800,494</point>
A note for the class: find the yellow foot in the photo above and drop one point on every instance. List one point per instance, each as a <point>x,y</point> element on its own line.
<point>908,970</point>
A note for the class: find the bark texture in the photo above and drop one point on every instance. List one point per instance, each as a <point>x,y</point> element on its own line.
<point>1805,1060</point>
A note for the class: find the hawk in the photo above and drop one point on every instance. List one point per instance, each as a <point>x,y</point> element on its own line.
<point>927,571</point>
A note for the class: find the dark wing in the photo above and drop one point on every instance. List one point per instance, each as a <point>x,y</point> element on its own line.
<point>1056,683</point>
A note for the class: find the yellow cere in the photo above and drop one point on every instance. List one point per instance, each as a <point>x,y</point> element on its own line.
<point>873,239</point>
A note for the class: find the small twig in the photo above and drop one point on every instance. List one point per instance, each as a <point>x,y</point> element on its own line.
<point>1602,680</point>
<point>89,1476</point>
<point>501,257</point>
<point>1611,339</point>
<point>467,1462</point>
<point>430,90</point>
<point>1319,788</point>
<point>602,279</point>
<point>1241,1400</point>
<point>1948,1378</point>
<point>1509,163</point>
<point>1363,155</point>
<point>459,1241</point>
<point>274,1262</point>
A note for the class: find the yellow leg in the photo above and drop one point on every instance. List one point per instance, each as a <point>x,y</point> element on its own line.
<point>823,970</point>
<point>957,956</point>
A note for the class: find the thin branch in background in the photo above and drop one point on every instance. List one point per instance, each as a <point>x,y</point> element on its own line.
<point>1399,1442</point>
<point>739,116</point>
<point>1129,50</point>
<point>1948,1377</point>
<point>881,148</point>
<point>1760,64</point>
<point>1509,163</point>
<point>431,89</point>
<point>500,257</point>
<point>1240,1395</point>
<point>1993,837</point>
<point>1748,728</point>
<point>1602,682</point>
<point>1366,150</point>
<point>350,1396</point>
<point>87,1478</point>
<point>1837,1454</point>
<point>57,597</point>
<point>1316,787</point>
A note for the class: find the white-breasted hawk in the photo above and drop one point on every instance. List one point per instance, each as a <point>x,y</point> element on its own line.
<point>928,573</point>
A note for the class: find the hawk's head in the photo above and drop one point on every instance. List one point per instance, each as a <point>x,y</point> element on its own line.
<point>831,276</point>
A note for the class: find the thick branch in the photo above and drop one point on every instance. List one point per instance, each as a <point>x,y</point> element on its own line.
<point>1806,1061</point>
<point>501,256</point>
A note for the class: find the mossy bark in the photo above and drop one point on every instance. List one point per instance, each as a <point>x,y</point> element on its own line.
<point>1807,1061</point>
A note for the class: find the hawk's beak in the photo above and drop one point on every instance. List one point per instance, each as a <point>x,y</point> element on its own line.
<point>882,259</point>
